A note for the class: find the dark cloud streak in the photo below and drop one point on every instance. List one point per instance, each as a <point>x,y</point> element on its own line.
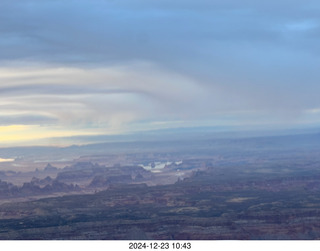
<point>26,90</point>
<point>26,120</point>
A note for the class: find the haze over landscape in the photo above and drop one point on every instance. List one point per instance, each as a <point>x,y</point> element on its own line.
<point>159,120</point>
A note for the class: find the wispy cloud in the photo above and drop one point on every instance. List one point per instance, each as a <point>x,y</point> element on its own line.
<point>96,97</point>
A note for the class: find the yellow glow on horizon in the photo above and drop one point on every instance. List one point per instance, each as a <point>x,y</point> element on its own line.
<point>6,160</point>
<point>11,128</point>
<point>32,133</point>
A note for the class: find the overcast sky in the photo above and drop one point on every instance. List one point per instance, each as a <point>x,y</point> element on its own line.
<point>87,67</point>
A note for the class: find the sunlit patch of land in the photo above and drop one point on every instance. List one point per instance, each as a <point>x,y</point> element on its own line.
<point>240,199</point>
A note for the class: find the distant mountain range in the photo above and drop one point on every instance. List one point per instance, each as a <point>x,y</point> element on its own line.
<point>186,139</point>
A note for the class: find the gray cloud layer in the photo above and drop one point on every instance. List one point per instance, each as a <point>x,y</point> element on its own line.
<point>200,60</point>
<point>107,31</point>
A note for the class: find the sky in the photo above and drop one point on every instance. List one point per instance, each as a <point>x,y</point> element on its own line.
<point>110,67</point>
